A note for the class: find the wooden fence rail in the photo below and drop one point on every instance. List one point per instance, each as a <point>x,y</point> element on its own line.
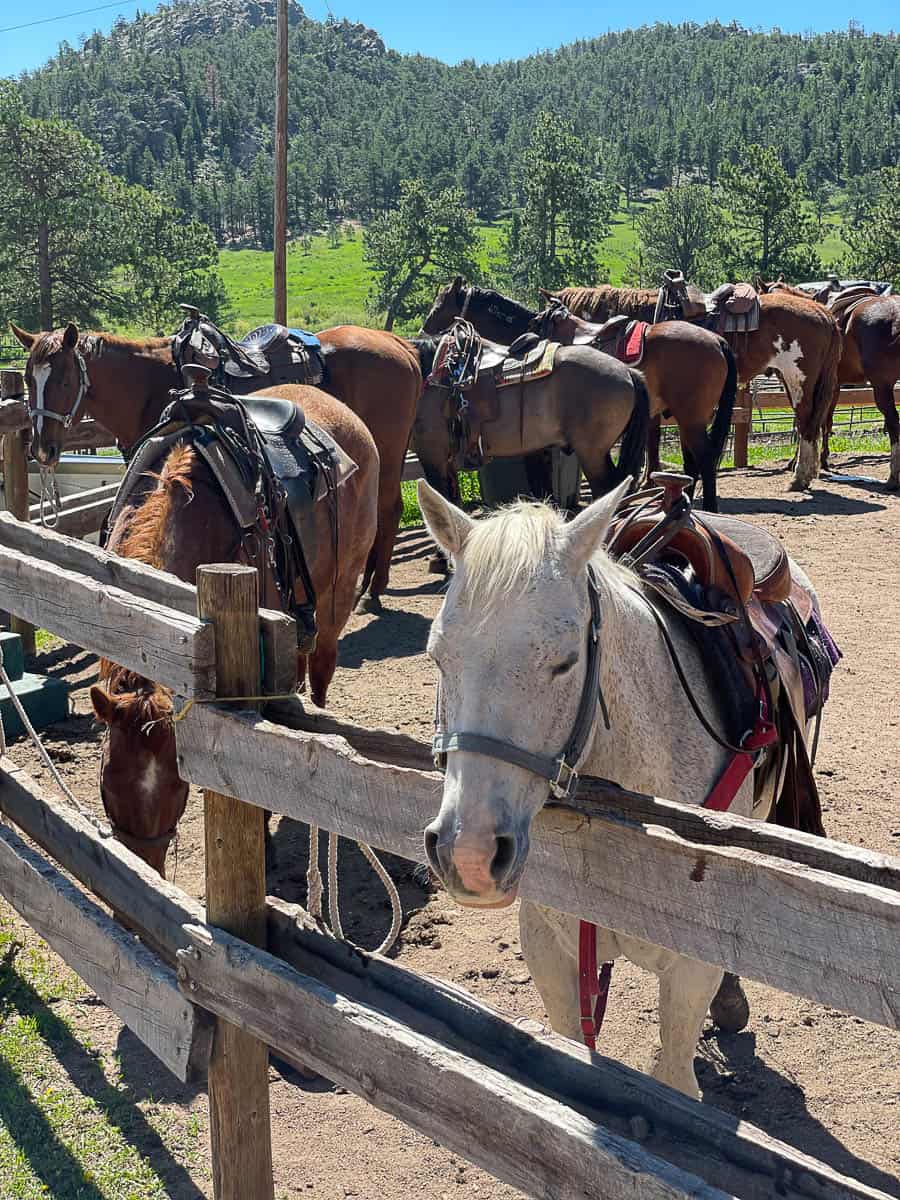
<point>724,1152</point>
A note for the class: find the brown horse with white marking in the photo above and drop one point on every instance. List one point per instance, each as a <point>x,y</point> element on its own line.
<point>800,344</point>
<point>690,372</point>
<point>124,384</point>
<point>177,520</point>
<point>871,354</point>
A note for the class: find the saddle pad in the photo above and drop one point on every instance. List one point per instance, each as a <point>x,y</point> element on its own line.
<point>630,346</point>
<point>537,363</point>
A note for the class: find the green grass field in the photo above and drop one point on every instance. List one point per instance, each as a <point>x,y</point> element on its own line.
<point>329,284</point>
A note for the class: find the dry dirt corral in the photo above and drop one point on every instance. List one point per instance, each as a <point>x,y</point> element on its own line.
<point>825,1082</point>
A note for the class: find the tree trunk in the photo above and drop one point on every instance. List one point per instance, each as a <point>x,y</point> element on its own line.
<point>46,290</point>
<point>401,293</point>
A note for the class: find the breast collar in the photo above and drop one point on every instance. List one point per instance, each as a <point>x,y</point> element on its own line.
<point>559,770</point>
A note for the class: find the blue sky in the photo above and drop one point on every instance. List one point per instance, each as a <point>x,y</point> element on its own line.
<point>486,30</point>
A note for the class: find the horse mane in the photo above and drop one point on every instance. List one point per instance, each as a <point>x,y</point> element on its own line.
<point>93,343</point>
<point>597,303</point>
<point>140,702</point>
<point>426,347</point>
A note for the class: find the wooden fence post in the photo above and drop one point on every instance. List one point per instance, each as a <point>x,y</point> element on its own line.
<point>15,483</point>
<point>240,1133</point>
<point>742,427</point>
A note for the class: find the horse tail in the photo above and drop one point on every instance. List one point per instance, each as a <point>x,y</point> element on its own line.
<point>721,426</point>
<point>825,391</point>
<point>634,439</point>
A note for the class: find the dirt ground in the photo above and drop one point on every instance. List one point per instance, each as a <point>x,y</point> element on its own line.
<point>825,1082</point>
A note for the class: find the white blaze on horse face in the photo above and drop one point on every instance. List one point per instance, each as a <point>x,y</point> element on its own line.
<point>41,375</point>
<point>785,360</point>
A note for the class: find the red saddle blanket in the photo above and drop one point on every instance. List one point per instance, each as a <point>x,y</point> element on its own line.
<point>630,346</point>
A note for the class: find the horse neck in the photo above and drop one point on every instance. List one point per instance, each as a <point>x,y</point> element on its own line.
<point>655,743</point>
<point>129,388</point>
<point>498,328</point>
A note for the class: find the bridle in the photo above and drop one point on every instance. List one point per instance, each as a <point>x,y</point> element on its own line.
<point>559,770</point>
<point>84,386</point>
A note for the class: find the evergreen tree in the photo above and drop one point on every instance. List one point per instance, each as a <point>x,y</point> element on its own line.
<point>681,230</point>
<point>875,243</point>
<point>416,247</point>
<point>769,229</point>
<point>565,215</point>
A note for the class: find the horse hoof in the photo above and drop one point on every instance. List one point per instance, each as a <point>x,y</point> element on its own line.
<point>730,1009</point>
<point>438,566</point>
<point>368,604</point>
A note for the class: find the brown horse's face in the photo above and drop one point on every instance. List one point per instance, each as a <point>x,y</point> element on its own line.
<point>448,303</point>
<point>142,793</point>
<point>54,382</point>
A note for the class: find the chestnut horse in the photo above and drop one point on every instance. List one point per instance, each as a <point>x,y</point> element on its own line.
<point>800,344</point>
<point>176,521</point>
<point>871,354</point>
<point>690,372</point>
<point>125,385</point>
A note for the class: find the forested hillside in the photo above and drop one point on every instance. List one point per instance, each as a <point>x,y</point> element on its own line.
<point>181,101</point>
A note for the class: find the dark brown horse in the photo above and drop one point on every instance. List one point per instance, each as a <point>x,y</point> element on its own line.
<point>690,372</point>
<point>871,354</point>
<point>124,383</point>
<point>800,344</point>
<point>178,520</point>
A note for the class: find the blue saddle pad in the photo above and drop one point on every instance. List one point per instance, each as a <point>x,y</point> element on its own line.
<point>308,339</point>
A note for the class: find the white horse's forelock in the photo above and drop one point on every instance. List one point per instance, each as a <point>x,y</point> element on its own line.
<point>505,552</point>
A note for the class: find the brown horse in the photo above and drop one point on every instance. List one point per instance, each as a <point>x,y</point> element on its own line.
<point>176,521</point>
<point>690,372</point>
<point>124,383</point>
<point>871,354</point>
<point>800,344</point>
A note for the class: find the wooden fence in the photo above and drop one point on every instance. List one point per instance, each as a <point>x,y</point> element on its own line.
<point>208,992</point>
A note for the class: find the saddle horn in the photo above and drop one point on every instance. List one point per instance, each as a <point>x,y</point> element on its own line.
<point>196,377</point>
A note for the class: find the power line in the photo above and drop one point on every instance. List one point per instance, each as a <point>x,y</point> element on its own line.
<point>82,12</point>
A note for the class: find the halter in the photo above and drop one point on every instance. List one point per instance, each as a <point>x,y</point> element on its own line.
<point>84,385</point>
<point>559,770</point>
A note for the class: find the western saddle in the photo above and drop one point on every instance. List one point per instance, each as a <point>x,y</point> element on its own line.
<point>271,464</point>
<point>271,354</point>
<point>731,308</point>
<point>557,322</point>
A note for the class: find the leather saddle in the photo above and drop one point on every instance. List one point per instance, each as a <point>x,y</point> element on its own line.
<point>272,466</point>
<point>267,355</point>
<point>611,337</point>
<point>738,560</point>
<point>730,308</point>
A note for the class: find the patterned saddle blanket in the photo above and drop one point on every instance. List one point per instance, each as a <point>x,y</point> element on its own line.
<point>271,354</point>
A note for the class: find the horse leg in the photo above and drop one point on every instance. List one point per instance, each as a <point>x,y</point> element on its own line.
<point>447,483</point>
<point>685,991</point>
<point>884,398</point>
<point>322,664</point>
<point>700,462</point>
<point>729,1008</point>
<point>654,433</point>
<point>827,430</point>
<point>549,941</point>
<point>378,564</point>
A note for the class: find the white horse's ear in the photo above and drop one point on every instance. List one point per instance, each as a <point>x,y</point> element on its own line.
<point>584,536</point>
<point>447,524</point>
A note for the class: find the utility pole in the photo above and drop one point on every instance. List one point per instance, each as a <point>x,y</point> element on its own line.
<point>281,145</point>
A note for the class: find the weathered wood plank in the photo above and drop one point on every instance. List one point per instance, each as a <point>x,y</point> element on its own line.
<point>15,485</point>
<point>520,1136</point>
<point>157,642</point>
<point>805,931</point>
<point>14,416</point>
<point>123,973</point>
<point>278,634</point>
<point>605,800</point>
<point>106,491</point>
<point>697,1138</point>
<point>725,1152</point>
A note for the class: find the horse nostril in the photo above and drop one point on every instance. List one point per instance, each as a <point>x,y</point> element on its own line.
<point>431,842</point>
<point>504,857</point>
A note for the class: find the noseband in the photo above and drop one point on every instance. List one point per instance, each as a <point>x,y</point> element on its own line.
<point>559,770</point>
<point>68,419</point>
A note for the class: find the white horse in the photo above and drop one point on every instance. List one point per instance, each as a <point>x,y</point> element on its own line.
<point>511,645</point>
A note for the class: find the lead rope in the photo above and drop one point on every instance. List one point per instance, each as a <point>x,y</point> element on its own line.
<point>314,889</point>
<point>49,498</point>
<point>102,829</point>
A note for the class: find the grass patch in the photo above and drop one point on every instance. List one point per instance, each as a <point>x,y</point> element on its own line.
<point>67,1121</point>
